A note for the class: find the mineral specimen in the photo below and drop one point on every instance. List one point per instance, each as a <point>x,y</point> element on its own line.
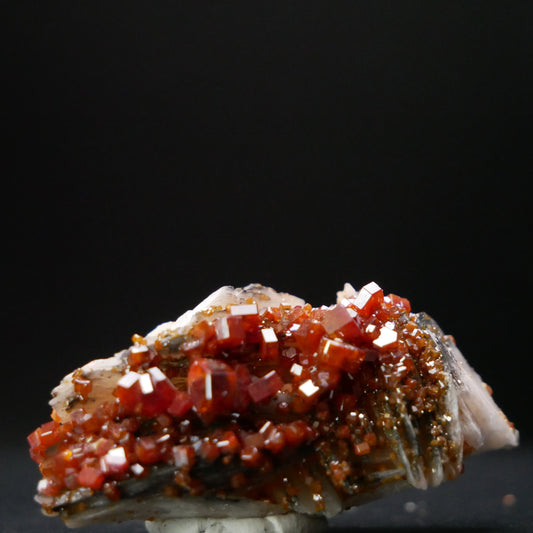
<point>257,409</point>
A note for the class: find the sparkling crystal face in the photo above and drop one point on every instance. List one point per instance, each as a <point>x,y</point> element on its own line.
<point>265,399</point>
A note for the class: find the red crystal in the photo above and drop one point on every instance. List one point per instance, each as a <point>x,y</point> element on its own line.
<point>308,335</point>
<point>162,396</point>
<point>91,477</point>
<point>400,303</point>
<point>43,438</point>
<point>49,487</point>
<point>340,320</point>
<point>269,344</point>
<point>298,432</point>
<point>211,385</point>
<point>230,331</point>
<point>49,434</point>
<point>128,392</point>
<point>102,446</point>
<point>64,462</point>
<point>345,402</point>
<point>202,339</point>
<point>228,443</point>
<point>251,456</point>
<point>84,422</point>
<point>275,441</point>
<point>34,439</point>
<point>242,397</point>
<point>371,439</point>
<point>387,338</point>
<point>362,448</point>
<point>184,456</point>
<point>148,394</point>
<point>250,320</point>
<point>368,299</point>
<point>208,451</point>
<point>139,355</point>
<point>265,387</point>
<point>147,450</point>
<point>180,404</point>
<point>338,354</point>
<point>114,461</point>
<point>111,490</point>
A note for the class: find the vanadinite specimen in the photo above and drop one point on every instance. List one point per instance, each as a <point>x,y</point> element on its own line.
<point>255,403</point>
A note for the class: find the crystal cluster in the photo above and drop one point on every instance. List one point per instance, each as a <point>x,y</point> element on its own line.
<point>308,409</point>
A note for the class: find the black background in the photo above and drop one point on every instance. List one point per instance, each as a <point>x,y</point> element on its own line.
<point>159,150</point>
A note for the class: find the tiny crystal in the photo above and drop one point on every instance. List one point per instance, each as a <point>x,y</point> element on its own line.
<point>387,337</point>
<point>296,369</point>
<point>309,388</point>
<point>269,336</point>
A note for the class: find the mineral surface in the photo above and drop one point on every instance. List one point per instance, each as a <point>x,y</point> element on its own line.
<point>257,397</point>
